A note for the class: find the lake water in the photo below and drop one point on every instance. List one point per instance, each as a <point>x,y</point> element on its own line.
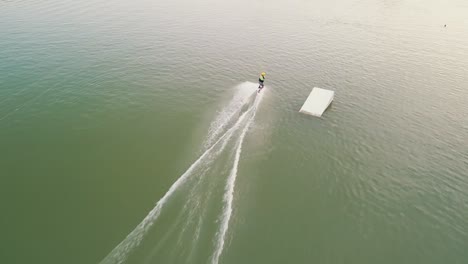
<point>130,132</point>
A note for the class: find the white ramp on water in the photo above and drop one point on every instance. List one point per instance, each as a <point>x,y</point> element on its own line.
<point>317,102</point>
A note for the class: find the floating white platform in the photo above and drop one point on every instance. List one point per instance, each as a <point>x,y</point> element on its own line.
<point>317,102</point>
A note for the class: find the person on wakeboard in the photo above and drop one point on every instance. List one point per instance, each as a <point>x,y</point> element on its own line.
<point>260,81</point>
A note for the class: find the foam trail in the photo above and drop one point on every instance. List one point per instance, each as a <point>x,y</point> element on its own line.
<point>120,253</point>
<point>229,194</point>
<point>244,91</point>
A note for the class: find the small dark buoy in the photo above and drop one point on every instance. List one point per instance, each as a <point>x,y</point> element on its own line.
<point>445,25</point>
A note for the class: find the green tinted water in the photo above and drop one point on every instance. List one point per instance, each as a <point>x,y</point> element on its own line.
<point>104,105</point>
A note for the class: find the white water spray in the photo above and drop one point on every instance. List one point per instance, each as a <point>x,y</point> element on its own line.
<point>221,122</point>
<point>120,253</point>
<point>229,194</point>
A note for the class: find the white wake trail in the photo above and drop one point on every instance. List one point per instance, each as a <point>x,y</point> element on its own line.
<point>221,122</point>
<point>120,253</point>
<point>229,194</point>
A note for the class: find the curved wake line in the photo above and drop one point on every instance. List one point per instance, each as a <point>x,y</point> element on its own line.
<point>120,252</point>
<point>244,92</point>
<point>229,194</point>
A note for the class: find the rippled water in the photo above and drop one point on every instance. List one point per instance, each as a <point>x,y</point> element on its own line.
<point>104,105</point>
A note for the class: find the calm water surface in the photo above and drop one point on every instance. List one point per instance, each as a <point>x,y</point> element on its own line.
<point>104,105</point>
